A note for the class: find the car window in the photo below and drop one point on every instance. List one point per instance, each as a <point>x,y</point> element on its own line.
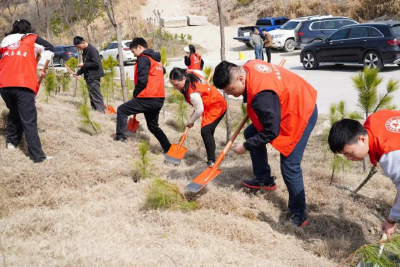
<point>278,22</point>
<point>316,26</point>
<point>348,22</point>
<point>290,25</point>
<point>57,49</point>
<point>114,46</point>
<point>395,30</point>
<point>339,35</point>
<point>264,22</point>
<point>359,32</point>
<point>331,25</point>
<point>284,21</point>
<point>375,33</point>
<point>127,44</point>
<point>109,46</point>
<point>71,49</point>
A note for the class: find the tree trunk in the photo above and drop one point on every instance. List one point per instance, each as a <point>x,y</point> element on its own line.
<point>121,62</point>
<point>222,31</point>
<point>371,173</point>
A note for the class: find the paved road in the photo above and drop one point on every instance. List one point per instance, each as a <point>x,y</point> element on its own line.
<point>333,83</point>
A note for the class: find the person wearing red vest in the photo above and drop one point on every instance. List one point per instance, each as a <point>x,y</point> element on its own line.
<point>207,102</point>
<point>380,139</point>
<point>192,59</point>
<point>19,84</point>
<point>149,94</point>
<point>283,111</point>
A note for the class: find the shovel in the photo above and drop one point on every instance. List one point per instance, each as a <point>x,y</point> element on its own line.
<point>177,151</point>
<point>70,71</point>
<point>211,172</point>
<point>133,124</point>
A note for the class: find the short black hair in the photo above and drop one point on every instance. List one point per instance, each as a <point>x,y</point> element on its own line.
<point>222,74</point>
<point>21,26</point>
<point>138,41</point>
<point>344,132</point>
<point>78,40</point>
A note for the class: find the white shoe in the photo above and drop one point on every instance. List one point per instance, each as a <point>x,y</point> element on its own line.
<point>11,146</point>
<point>49,157</point>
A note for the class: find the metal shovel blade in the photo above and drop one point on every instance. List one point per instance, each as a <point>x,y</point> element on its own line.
<point>202,180</point>
<point>133,124</point>
<point>175,154</point>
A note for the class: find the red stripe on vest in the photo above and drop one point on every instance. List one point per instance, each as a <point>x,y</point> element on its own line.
<point>18,64</point>
<point>296,96</point>
<point>383,129</point>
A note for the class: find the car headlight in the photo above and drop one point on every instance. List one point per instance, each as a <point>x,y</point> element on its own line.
<point>277,36</point>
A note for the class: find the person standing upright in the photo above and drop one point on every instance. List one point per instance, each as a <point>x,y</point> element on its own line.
<point>193,59</point>
<point>19,84</point>
<point>257,42</point>
<point>92,70</point>
<point>267,44</point>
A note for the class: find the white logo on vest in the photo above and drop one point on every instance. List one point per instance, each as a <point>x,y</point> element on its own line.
<point>393,124</point>
<point>14,46</point>
<point>262,68</point>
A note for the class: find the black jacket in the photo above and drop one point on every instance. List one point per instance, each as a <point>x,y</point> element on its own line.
<point>267,107</point>
<point>143,66</point>
<point>92,68</point>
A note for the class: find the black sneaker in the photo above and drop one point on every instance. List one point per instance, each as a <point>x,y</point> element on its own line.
<point>120,139</point>
<point>210,163</point>
<point>257,184</point>
<point>298,220</point>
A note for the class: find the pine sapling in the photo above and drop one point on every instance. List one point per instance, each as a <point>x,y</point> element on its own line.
<point>49,84</point>
<point>143,164</point>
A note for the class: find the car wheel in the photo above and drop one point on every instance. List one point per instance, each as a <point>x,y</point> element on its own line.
<point>310,61</point>
<point>61,61</point>
<point>289,45</point>
<point>372,60</point>
<point>248,45</point>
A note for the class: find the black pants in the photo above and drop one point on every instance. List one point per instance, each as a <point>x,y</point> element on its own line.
<point>22,118</point>
<point>151,110</point>
<point>96,99</point>
<point>207,132</point>
<point>268,53</point>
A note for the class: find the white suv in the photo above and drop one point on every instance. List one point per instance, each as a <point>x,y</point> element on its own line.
<point>284,37</point>
<point>112,49</point>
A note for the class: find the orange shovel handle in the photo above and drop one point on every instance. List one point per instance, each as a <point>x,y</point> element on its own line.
<point>229,144</point>
<point>46,64</point>
<point>183,138</point>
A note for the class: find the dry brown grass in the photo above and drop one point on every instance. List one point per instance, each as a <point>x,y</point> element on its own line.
<point>247,13</point>
<point>84,209</point>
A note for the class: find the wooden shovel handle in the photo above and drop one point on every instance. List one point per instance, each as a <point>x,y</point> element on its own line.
<point>46,64</point>
<point>183,138</point>
<point>70,71</point>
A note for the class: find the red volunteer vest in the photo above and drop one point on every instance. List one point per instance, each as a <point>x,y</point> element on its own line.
<point>18,64</point>
<point>213,101</point>
<point>155,80</point>
<point>383,129</point>
<point>195,61</point>
<point>296,96</point>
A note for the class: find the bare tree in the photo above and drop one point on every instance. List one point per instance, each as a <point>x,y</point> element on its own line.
<point>44,18</point>
<point>222,31</point>
<point>110,12</point>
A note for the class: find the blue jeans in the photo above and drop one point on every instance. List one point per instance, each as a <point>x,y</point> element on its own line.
<point>290,166</point>
<point>258,50</point>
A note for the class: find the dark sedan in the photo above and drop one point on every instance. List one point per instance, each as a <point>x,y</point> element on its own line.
<point>371,44</point>
<point>64,52</point>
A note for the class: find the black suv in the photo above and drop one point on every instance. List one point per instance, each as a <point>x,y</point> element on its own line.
<point>64,52</point>
<point>315,29</point>
<point>371,44</point>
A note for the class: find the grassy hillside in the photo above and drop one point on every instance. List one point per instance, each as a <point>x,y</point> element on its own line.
<point>246,12</point>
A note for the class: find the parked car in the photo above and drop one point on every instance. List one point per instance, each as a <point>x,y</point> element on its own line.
<point>267,23</point>
<point>315,29</point>
<point>64,52</point>
<point>112,49</point>
<point>371,44</point>
<point>283,38</point>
